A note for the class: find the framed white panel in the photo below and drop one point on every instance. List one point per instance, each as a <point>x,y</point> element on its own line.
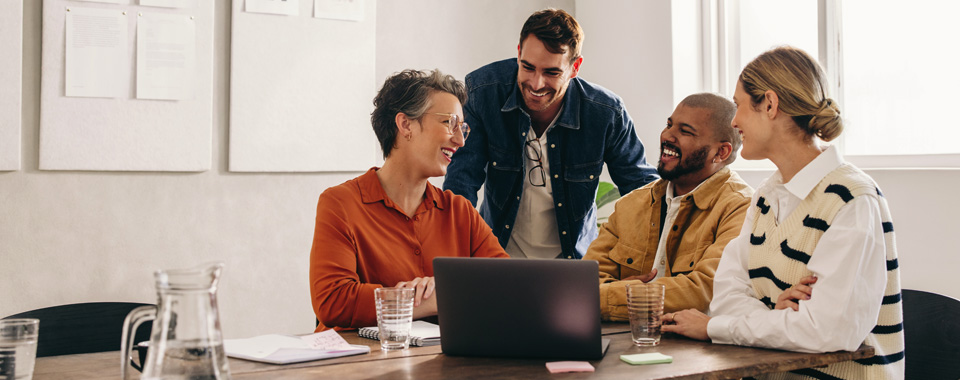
<point>124,133</point>
<point>11,37</point>
<point>301,92</point>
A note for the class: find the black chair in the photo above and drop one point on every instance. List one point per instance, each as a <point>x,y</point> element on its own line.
<point>931,330</point>
<point>83,327</point>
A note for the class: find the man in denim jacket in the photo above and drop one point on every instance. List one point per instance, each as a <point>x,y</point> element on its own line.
<point>540,137</point>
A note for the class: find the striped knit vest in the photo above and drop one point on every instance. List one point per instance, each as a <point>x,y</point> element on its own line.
<point>779,256</point>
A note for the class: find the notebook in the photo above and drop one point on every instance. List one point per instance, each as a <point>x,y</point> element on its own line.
<point>284,349</point>
<point>519,308</point>
<point>422,333</point>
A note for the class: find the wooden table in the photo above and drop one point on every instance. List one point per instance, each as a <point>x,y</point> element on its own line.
<point>691,360</point>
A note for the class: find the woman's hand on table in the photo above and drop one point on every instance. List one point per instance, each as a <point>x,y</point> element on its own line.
<point>690,323</point>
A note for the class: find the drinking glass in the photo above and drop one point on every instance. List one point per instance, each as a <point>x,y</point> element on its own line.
<point>18,347</point>
<point>645,307</point>
<point>394,317</point>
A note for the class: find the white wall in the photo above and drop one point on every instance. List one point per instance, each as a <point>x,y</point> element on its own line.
<point>69,237</point>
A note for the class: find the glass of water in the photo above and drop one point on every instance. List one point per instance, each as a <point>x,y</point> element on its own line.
<point>18,347</point>
<point>645,308</point>
<point>394,316</point>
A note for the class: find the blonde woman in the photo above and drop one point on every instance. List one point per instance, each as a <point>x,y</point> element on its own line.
<point>814,268</point>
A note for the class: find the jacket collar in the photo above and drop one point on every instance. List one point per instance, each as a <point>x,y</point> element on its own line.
<point>371,191</point>
<point>704,196</point>
<point>569,113</point>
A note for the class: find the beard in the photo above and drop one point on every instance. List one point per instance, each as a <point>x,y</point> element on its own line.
<point>545,102</point>
<point>696,161</point>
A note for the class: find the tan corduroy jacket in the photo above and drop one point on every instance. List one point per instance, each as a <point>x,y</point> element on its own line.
<point>708,218</point>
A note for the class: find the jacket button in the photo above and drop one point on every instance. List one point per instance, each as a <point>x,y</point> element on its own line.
<point>507,227</point>
<point>494,163</point>
<point>556,176</point>
<point>560,204</point>
<point>691,263</point>
<point>591,176</point>
<point>553,146</point>
<point>563,233</point>
<point>518,197</point>
<point>630,261</point>
<point>524,134</point>
<point>674,227</point>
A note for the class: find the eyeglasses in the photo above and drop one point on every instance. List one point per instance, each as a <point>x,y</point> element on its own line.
<point>537,176</point>
<point>454,124</point>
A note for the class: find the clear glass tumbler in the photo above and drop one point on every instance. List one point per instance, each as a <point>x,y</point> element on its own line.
<point>394,316</point>
<point>645,308</point>
<point>18,347</point>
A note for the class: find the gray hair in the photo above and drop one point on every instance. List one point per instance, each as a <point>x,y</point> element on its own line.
<point>408,92</point>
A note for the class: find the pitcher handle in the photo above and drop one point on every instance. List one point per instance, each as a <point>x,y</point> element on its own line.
<point>130,324</point>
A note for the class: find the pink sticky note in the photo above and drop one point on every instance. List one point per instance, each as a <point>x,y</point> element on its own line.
<point>560,367</point>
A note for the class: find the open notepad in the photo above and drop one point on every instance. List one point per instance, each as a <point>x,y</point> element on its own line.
<point>284,349</point>
<point>421,333</point>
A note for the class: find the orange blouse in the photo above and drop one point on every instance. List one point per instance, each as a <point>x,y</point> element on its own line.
<point>363,241</point>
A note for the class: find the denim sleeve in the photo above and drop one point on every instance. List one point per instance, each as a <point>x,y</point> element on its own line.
<point>467,172</point>
<point>625,156</point>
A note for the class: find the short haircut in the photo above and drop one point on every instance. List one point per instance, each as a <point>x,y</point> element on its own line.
<point>722,111</point>
<point>557,29</point>
<point>408,92</point>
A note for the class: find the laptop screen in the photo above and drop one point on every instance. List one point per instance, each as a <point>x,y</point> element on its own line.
<point>519,307</point>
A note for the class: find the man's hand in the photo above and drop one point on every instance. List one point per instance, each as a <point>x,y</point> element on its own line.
<point>690,323</point>
<point>643,277</point>
<point>424,288</point>
<point>792,296</point>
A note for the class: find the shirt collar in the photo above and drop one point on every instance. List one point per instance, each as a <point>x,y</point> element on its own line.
<point>371,191</point>
<point>807,178</point>
<point>703,196</point>
<point>569,115</point>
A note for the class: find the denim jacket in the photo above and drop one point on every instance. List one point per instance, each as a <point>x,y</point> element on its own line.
<point>593,128</point>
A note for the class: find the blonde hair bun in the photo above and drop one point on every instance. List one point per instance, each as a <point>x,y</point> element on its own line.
<point>826,123</point>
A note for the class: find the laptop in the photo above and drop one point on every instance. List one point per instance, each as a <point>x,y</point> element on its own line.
<point>519,308</point>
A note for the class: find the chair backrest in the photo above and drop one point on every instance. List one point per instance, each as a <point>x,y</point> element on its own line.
<point>83,327</point>
<point>931,331</point>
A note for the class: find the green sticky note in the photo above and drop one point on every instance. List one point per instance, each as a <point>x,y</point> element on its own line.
<point>649,358</point>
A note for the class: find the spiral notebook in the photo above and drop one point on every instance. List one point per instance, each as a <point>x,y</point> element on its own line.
<point>421,333</point>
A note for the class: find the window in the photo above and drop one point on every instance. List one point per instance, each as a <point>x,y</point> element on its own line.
<point>891,66</point>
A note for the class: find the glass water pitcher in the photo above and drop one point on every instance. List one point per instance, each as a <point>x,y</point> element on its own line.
<point>186,341</point>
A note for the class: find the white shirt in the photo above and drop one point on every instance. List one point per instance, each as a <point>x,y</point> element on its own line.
<point>673,208</point>
<point>535,233</point>
<point>849,262</point>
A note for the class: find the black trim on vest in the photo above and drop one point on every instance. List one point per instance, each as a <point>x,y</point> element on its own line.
<point>757,240</point>
<point>815,374</point>
<point>884,329</point>
<point>891,299</point>
<point>761,204</point>
<point>892,264</point>
<point>769,302</point>
<point>765,272</point>
<point>842,191</point>
<point>816,223</point>
<point>881,359</point>
<point>880,193</point>
<point>800,256</point>
<point>887,227</point>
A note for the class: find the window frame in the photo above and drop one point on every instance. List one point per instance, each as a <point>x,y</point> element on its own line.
<point>720,67</point>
